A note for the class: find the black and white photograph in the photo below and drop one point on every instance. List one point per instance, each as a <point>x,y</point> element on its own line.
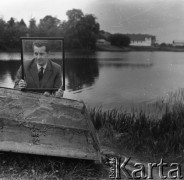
<point>91,89</point>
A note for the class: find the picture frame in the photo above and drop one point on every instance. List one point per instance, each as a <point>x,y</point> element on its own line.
<point>28,48</point>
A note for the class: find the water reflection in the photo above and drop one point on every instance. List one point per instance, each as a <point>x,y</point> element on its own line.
<point>4,56</point>
<point>81,73</point>
<point>121,64</point>
<point>8,70</point>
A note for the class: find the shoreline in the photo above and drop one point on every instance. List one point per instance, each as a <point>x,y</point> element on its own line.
<point>110,48</point>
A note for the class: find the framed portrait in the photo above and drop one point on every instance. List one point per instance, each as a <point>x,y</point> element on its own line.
<point>43,51</point>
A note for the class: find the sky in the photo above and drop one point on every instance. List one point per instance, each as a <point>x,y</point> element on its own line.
<point>162,18</point>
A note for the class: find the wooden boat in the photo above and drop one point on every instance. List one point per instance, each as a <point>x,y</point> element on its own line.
<point>35,124</point>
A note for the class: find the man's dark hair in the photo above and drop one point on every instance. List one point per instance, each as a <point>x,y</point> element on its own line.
<point>40,43</point>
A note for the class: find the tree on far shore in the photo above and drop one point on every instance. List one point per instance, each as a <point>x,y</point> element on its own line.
<point>13,31</point>
<point>32,29</point>
<point>2,34</point>
<point>79,31</point>
<point>119,40</point>
<point>48,26</point>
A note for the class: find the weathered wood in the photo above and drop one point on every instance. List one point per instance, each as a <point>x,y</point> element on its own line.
<point>33,123</point>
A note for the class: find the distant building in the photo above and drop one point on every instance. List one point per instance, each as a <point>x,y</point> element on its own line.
<point>142,39</point>
<point>178,43</point>
<point>102,42</point>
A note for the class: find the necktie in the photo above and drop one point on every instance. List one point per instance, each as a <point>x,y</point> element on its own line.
<point>40,74</point>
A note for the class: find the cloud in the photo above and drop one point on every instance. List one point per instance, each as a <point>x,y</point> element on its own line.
<point>157,17</point>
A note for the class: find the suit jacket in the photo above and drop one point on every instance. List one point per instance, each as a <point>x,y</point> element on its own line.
<point>51,77</point>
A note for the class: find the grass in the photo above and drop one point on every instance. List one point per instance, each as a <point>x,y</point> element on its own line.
<point>24,166</point>
<point>156,129</point>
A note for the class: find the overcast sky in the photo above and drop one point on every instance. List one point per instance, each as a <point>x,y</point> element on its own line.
<point>162,18</point>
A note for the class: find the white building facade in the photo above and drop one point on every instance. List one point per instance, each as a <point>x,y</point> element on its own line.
<point>103,42</point>
<point>142,40</point>
<point>178,43</point>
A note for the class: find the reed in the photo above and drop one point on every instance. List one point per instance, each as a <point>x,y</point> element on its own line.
<point>158,133</point>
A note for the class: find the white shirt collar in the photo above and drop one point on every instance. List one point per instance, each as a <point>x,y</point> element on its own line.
<point>44,67</point>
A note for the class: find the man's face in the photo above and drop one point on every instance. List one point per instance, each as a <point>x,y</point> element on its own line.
<point>40,55</point>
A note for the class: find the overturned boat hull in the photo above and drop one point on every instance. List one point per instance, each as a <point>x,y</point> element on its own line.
<point>35,124</point>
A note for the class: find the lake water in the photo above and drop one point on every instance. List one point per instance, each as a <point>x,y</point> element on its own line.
<point>112,79</point>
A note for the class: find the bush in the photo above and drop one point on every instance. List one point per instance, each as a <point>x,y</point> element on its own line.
<point>119,40</point>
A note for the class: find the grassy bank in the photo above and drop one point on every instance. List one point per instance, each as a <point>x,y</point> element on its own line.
<point>156,134</point>
<point>15,166</point>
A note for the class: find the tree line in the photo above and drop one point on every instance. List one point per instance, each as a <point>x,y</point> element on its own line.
<point>80,30</point>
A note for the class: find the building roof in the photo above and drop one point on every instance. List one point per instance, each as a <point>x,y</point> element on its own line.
<point>181,41</point>
<point>140,37</point>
